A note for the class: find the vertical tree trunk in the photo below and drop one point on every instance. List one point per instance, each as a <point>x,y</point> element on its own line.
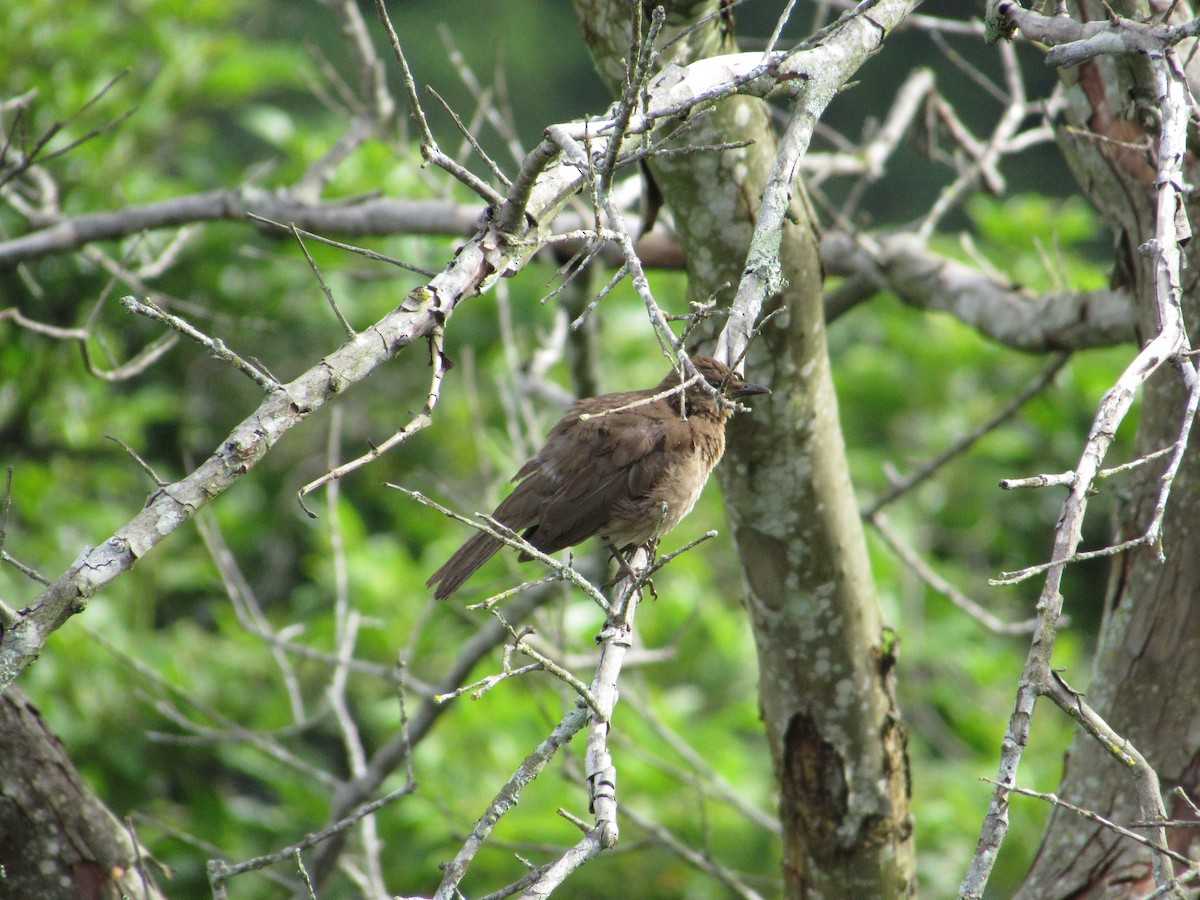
<point>837,744</point>
<point>1147,662</point>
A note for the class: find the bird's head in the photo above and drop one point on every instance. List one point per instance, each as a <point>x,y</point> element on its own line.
<point>719,378</point>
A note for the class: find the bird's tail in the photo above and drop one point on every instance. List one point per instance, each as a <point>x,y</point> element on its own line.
<point>463,564</point>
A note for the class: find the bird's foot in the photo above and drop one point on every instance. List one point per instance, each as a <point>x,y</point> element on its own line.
<point>625,570</point>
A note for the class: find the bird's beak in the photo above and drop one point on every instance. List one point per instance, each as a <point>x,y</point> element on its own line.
<point>739,389</point>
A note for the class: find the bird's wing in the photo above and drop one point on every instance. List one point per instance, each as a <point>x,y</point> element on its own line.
<point>589,467</point>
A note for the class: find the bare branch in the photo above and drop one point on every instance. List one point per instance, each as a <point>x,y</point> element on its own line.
<point>39,155</point>
<point>470,138</point>
<point>429,146</point>
<point>944,587</point>
<point>570,725</point>
<point>375,103</point>
<point>361,251</point>
<point>823,70</point>
<point>1068,478</point>
<point>869,159</point>
<point>477,266</point>
<point>220,872</point>
<point>360,217</point>
<point>1017,318</point>
<point>1091,816</point>
<point>337,312</point>
<point>1074,42</point>
<point>701,860</point>
<point>136,365</point>
<point>216,348</point>
<point>1145,779</point>
<point>1168,345</point>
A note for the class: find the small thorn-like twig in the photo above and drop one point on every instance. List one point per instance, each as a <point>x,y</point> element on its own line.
<point>361,251</point>
<point>661,561</point>
<point>337,312</point>
<point>145,466</point>
<point>575,820</point>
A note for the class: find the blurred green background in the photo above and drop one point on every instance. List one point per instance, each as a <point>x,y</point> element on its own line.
<point>220,94</point>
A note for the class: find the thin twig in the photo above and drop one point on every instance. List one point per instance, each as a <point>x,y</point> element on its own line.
<point>702,860</point>
<point>927,574</point>
<point>637,274</point>
<point>337,312</point>
<point>1145,779</point>
<point>512,539</point>
<point>420,421</point>
<point>230,730</point>
<point>569,726</point>
<point>139,363</point>
<point>643,53</point>
<point>470,138</point>
<point>361,251</point>
<point>1055,800</point>
<point>30,573</point>
<point>37,156</point>
<point>704,777</point>
<point>1068,478</point>
<point>9,617</point>
<point>429,146</point>
<point>964,443</point>
<point>215,346</point>
<point>145,466</point>
<point>499,112</point>
<point>220,871</point>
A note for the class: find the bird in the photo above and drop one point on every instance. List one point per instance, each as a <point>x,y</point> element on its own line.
<point>624,467</point>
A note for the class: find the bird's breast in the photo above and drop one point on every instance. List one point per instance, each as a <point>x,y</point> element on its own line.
<point>682,491</point>
<point>639,519</point>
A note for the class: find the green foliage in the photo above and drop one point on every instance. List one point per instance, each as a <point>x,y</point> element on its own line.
<point>217,90</point>
<point>1039,241</point>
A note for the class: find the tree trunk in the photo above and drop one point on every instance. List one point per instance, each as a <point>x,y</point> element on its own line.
<point>57,840</point>
<point>837,744</point>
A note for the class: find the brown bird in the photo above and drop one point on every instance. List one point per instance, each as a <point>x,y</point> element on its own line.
<point>626,467</point>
